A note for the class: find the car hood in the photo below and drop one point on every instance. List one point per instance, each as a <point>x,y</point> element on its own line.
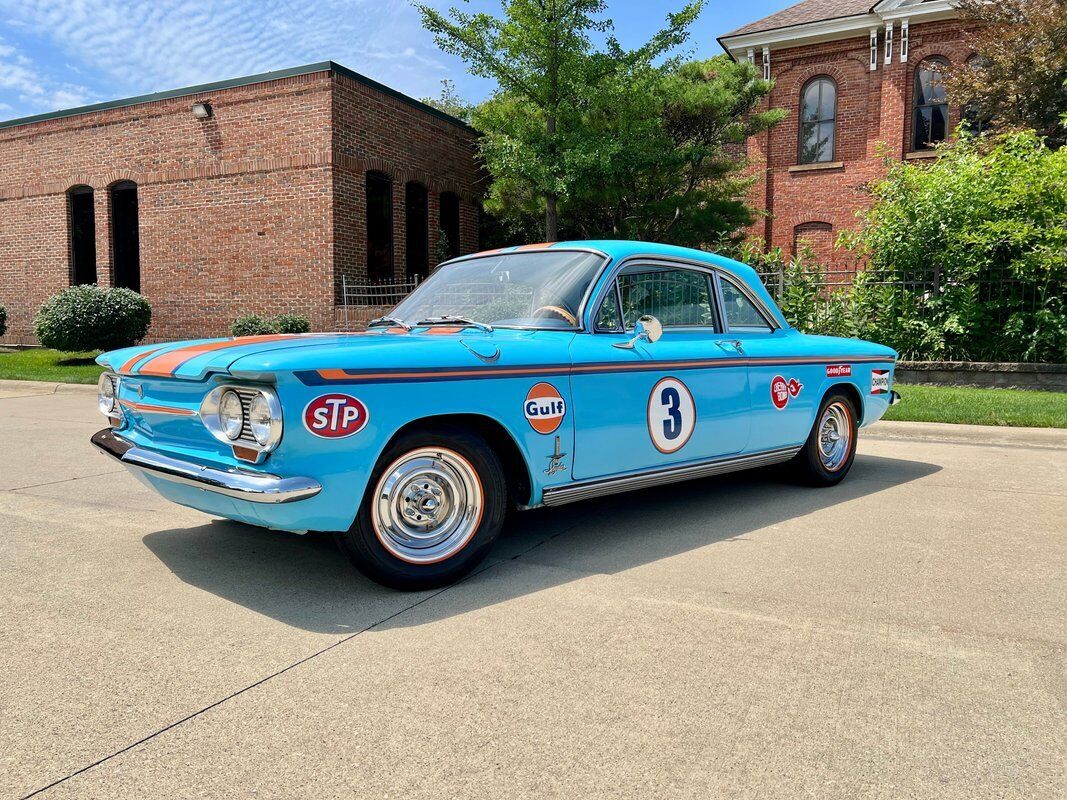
<point>257,357</point>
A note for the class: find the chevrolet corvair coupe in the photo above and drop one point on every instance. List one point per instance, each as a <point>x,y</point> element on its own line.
<point>527,376</point>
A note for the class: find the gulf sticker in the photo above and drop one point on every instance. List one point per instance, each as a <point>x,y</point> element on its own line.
<point>335,416</point>
<point>672,415</point>
<point>839,371</point>
<point>879,381</point>
<point>544,408</point>
<point>782,390</point>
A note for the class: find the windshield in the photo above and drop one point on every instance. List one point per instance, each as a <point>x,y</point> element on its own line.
<point>536,290</point>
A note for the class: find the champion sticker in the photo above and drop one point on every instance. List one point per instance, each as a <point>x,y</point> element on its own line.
<point>782,390</point>
<point>672,415</point>
<point>839,371</point>
<point>544,408</point>
<point>879,381</point>
<point>335,416</point>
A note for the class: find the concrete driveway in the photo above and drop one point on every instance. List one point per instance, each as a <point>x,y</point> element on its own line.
<point>901,635</point>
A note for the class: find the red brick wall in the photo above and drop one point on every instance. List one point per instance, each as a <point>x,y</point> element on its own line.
<point>873,121</point>
<point>258,209</point>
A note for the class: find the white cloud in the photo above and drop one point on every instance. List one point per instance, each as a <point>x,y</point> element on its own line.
<point>137,46</point>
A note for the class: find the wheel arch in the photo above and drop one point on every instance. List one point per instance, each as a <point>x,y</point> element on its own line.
<point>851,392</point>
<point>516,469</point>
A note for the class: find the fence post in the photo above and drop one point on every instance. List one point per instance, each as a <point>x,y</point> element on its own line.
<point>781,282</point>
<point>344,298</point>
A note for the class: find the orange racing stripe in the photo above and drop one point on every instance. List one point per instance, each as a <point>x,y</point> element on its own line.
<point>167,364</point>
<point>125,368</point>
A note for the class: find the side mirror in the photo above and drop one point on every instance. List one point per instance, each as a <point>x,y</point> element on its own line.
<point>647,329</point>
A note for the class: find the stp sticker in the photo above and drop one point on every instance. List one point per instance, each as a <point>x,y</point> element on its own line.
<point>839,371</point>
<point>334,416</point>
<point>544,408</point>
<point>672,415</point>
<point>782,390</point>
<point>879,381</point>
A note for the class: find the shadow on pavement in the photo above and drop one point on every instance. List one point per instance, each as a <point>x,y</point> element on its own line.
<point>306,582</point>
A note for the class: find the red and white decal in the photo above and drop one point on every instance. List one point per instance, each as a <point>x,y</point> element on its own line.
<point>839,371</point>
<point>335,416</point>
<point>782,390</point>
<point>544,408</point>
<point>879,381</point>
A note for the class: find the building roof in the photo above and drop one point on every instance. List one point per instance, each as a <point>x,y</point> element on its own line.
<point>807,11</point>
<point>263,77</point>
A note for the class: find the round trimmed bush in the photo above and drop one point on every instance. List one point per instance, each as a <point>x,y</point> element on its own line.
<point>92,318</point>
<point>3,320</point>
<point>252,325</point>
<point>292,323</point>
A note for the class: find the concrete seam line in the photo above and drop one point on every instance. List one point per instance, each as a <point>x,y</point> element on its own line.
<point>64,480</point>
<point>282,671</point>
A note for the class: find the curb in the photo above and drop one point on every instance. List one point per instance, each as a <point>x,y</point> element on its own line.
<point>994,435</point>
<point>47,387</point>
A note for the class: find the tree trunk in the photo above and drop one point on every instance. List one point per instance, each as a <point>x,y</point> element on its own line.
<point>551,215</point>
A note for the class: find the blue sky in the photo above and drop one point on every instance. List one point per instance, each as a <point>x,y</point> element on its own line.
<point>57,54</point>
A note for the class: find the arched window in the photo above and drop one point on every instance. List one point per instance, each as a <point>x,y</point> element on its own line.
<point>818,121</point>
<point>930,119</point>
<point>449,225</point>
<point>417,219</point>
<point>125,236</point>
<point>82,221</point>
<point>379,227</point>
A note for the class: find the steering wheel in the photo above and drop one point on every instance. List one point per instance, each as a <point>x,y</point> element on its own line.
<point>559,312</point>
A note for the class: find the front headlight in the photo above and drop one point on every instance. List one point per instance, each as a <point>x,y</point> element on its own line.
<point>231,414</point>
<point>106,394</point>
<point>260,420</point>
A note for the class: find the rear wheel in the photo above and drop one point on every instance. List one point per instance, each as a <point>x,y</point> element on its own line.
<point>434,506</point>
<point>828,454</point>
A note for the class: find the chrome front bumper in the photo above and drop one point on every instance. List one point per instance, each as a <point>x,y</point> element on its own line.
<point>256,487</point>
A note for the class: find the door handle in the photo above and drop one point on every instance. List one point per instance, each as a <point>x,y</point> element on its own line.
<point>733,344</point>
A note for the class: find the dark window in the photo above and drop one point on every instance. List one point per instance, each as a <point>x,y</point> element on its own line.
<point>930,121</point>
<point>676,297</point>
<point>449,226</point>
<point>741,313</point>
<point>379,227</point>
<point>818,121</point>
<point>82,235</point>
<point>417,218</point>
<point>125,237</point>
<point>975,120</point>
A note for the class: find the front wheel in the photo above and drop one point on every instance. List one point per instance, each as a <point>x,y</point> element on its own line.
<point>828,454</point>
<point>434,506</point>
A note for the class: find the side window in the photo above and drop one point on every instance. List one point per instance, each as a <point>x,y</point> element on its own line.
<point>677,297</point>
<point>741,314</point>
<point>608,317</point>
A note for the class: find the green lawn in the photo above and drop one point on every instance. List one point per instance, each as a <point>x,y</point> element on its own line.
<point>981,406</point>
<point>38,364</point>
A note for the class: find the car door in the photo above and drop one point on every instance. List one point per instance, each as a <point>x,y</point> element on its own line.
<point>683,398</point>
<point>782,388</point>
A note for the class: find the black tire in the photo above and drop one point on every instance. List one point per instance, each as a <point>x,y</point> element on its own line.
<point>381,557</point>
<point>810,465</point>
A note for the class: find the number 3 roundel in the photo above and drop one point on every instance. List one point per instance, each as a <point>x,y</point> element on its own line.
<point>672,415</point>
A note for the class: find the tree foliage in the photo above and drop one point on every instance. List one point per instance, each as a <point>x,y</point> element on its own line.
<point>450,102</point>
<point>1019,79</point>
<point>604,141</point>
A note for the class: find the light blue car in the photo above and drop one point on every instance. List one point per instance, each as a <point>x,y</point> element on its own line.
<point>527,376</point>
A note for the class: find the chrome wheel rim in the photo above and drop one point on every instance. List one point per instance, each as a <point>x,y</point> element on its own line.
<point>427,505</point>
<point>835,436</point>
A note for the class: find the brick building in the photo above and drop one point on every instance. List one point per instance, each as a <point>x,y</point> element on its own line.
<point>261,194</point>
<point>859,78</point>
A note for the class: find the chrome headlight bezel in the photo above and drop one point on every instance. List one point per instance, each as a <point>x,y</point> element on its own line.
<point>231,415</point>
<point>107,394</point>
<point>246,440</point>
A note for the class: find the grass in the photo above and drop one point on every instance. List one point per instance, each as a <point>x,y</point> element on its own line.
<point>963,405</point>
<point>38,364</point>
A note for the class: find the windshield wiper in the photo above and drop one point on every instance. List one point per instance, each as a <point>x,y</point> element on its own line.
<point>390,321</point>
<point>446,319</point>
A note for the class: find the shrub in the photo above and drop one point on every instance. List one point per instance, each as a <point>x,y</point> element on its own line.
<point>257,325</point>
<point>3,320</point>
<point>292,323</point>
<point>92,318</point>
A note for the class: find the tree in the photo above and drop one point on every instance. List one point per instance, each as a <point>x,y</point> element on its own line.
<point>1018,78</point>
<point>541,55</point>
<point>450,102</point>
